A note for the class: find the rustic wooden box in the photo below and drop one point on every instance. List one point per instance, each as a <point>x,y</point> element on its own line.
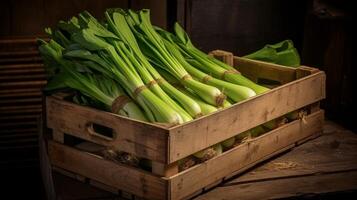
<point>164,146</point>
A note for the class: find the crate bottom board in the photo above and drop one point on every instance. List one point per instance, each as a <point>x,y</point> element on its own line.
<point>96,184</point>
<point>194,180</point>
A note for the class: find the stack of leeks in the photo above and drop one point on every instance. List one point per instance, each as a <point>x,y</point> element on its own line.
<point>134,69</point>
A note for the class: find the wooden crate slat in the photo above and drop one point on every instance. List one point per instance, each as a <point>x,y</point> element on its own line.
<point>141,139</point>
<point>255,69</point>
<point>258,149</point>
<point>113,174</point>
<point>207,131</point>
<point>195,179</point>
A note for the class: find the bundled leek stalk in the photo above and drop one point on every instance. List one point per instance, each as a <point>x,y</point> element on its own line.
<point>97,87</point>
<point>233,91</point>
<point>154,48</point>
<point>118,24</point>
<point>211,65</point>
<point>205,107</point>
<point>114,58</point>
<point>127,52</point>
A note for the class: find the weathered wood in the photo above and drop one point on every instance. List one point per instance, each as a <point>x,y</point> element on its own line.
<point>207,131</point>
<point>142,139</point>
<point>301,171</point>
<point>311,137</point>
<point>258,149</point>
<point>90,147</point>
<point>249,166</point>
<point>104,186</point>
<point>69,174</point>
<point>333,152</point>
<point>58,136</point>
<point>212,185</point>
<point>286,188</point>
<point>254,70</point>
<point>303,71</point>
<point>202,176</point>
<point>116,175</point>
<point>193,195</point>
<point>224,56</point>
<point>322,155</point>
<point>162,169</point>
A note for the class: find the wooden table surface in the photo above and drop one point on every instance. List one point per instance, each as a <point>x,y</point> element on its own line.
<point>326,166</point>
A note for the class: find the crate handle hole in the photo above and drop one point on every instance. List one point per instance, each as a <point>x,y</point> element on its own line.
<point>100,131</point>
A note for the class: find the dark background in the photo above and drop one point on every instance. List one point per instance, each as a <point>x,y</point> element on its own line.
<point>321,30</point>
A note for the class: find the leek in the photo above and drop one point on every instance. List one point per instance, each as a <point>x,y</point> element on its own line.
<point>88,38</point>
<point>205,107</point>
<point>233,91</point>
<point>282,53</point>
<point>153,47</point>
<point>104,90</point>
<point>119,26</point>
<point>212,65</point>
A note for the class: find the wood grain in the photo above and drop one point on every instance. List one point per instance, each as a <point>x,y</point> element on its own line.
<point>287,188</point>
<point>256,150</point>
<point>207,131</point>
<point>113,174</point>
<point>224,56</point>
<point>141,139</point>
<point>254,69</point>
<point>324,165</point>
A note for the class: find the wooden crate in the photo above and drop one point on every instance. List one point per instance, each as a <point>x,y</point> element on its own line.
<point>164,146</point>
